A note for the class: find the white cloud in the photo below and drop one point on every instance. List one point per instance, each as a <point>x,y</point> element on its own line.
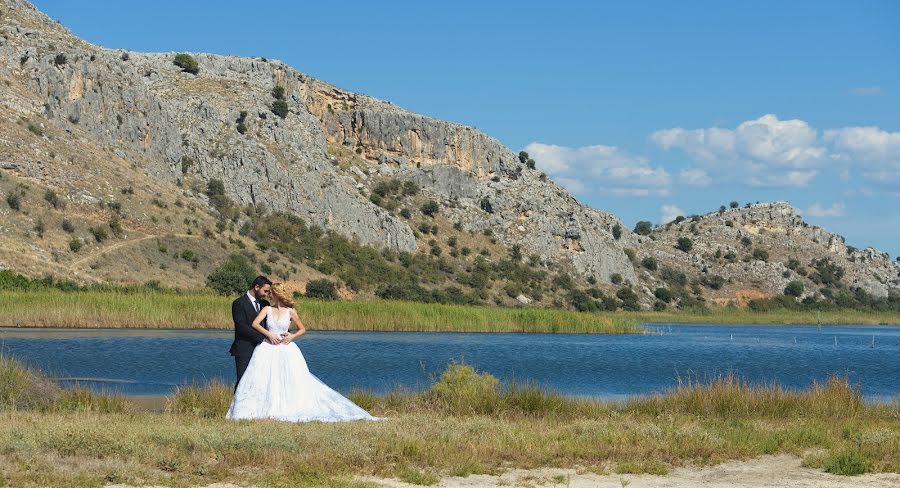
<point>867,91</point>
<point>600,168</point>
<point>837,209</point>
<point>869,144</point>
<point>766,141</point>
<point>790,178</point>
<point>668,213</point>
<point>694,177</point>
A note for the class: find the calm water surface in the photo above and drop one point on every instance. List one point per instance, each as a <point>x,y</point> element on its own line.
<point>151,362</point>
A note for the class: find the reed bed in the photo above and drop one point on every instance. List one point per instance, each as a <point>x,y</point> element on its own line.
<point>466,423</point>
<point>110,309</point>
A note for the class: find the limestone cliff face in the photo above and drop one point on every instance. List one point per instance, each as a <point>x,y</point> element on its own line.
<point>175,123</point>
<point>177,126</point>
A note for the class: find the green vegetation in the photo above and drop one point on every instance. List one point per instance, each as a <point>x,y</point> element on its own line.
<point>280,108</point>
<point>241,122</point>
<point>643,228</point>
<point>14,200</point>
<point>650,263</point>
<point>617,232</point>
<point>466,423</point>
<point>187,63</point>
<point>321,289</point>
<point>684,244</point>
<point>233,276</point>
<point>794,289</point>
<point>151,307</point>
<point>60,59</point>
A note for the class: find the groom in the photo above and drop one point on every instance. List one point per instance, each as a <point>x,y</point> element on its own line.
<point>243,311</point>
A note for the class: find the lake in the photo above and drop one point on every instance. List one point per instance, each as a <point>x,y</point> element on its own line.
<point>153,362</point>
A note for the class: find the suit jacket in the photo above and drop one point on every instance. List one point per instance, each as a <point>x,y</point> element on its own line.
<point>246,338</point>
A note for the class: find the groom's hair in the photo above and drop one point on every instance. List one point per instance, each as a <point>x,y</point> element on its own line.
<point>260,281</point>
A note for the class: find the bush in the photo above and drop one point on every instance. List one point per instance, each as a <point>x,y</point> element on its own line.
<point>643,228</point>
<point>461,390</point>
<point>685,244</point>
<point>280,108</point>
<point>715,282</point>
<point>734,204</point>
<point>663,294</point>
<point>68,226</point>
<point>430,208</point>
<point>649,263</point>
<point>847,463</point>
<point>617,231</point>
<point>53,199</point>
<point>794,289</point>
<point>278,92</point>
<point>530,164</point>
<point>187,63</point>
<point>233,276</point>
<point>761,254</point>
<point>615,278</point>
<point>523,157</point>
<point>405,213</point>
<point>99,233</point>
<point>75,244</point>
<point>14,201</point>
<point>321,289</point>
<point>60,59</point>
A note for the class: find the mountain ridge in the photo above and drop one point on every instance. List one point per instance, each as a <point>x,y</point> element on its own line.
<point>174,132</point>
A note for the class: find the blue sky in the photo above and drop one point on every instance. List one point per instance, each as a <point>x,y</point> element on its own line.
<point>645,109</point>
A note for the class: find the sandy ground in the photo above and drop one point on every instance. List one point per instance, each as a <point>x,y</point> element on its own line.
<point>768,471</point>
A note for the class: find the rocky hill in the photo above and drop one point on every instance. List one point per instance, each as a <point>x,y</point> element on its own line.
<point>126,144</point>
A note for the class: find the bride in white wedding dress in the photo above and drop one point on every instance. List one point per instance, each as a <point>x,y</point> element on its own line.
<point>277,383</point>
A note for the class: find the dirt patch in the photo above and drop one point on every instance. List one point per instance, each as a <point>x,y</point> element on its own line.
<point>767,471</point>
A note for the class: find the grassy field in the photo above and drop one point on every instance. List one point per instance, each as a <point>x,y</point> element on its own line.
<point>465,424</point>
<point>192,310</point>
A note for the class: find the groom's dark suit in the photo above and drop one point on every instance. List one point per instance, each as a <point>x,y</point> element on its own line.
<point>246,338</point>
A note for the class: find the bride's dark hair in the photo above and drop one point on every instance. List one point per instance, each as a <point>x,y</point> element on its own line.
<point>281,294</point>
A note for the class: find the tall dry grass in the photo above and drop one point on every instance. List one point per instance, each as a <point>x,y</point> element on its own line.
<point>110,309</point>
<point>466,423</point>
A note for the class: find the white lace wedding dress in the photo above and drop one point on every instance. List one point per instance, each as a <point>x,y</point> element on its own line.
<point>278,385</point>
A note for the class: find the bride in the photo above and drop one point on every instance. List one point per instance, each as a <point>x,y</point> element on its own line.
<point>278,384</point>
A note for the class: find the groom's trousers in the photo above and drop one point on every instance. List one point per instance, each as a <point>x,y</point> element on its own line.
<point>240,364</point>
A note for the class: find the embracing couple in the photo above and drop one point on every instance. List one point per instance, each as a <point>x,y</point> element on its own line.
<point>273,381</point>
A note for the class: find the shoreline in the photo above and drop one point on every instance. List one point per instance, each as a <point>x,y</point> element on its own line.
<point>204,311</point>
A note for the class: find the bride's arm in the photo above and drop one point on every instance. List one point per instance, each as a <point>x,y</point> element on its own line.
<point>257,324</point>
<point>301,329</point>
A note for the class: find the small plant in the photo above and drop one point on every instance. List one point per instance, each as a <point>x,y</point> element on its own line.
<point>734,204</point>
<point>115,225</point>
<point>99,233</point>
<point>615,278</point>
<point>430,208</point>
<point>761,254</point>
<point>241,122</point>
<point>280,108</point>
<point>405,213</point>
<point>187,63</point>
<point>60,59</point>
<point>75,244</point>
<point>617,232</point>
<point>643,228</point>
<point>650,263</point>
<point>794,289</point>
<point>35,129</point>
<point>321,289</point>
<point>68,226</point>
<point>40,228</point>
<point>847,463</point>
<point>684,244</point>
<point>14,201</point>
<point>278,92</point>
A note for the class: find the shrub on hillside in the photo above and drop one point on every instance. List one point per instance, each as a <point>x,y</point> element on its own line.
<point>794,289</point>
<point>643,228</point>
<point>233,276</point>
<point>617,231</point>
<point>321,289</point>
<point>187,63</point>
<point>685,244</point>
<point>650,263</point>
<point>430,208</point>
<point>280,108</point>
<point>14,201</point>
